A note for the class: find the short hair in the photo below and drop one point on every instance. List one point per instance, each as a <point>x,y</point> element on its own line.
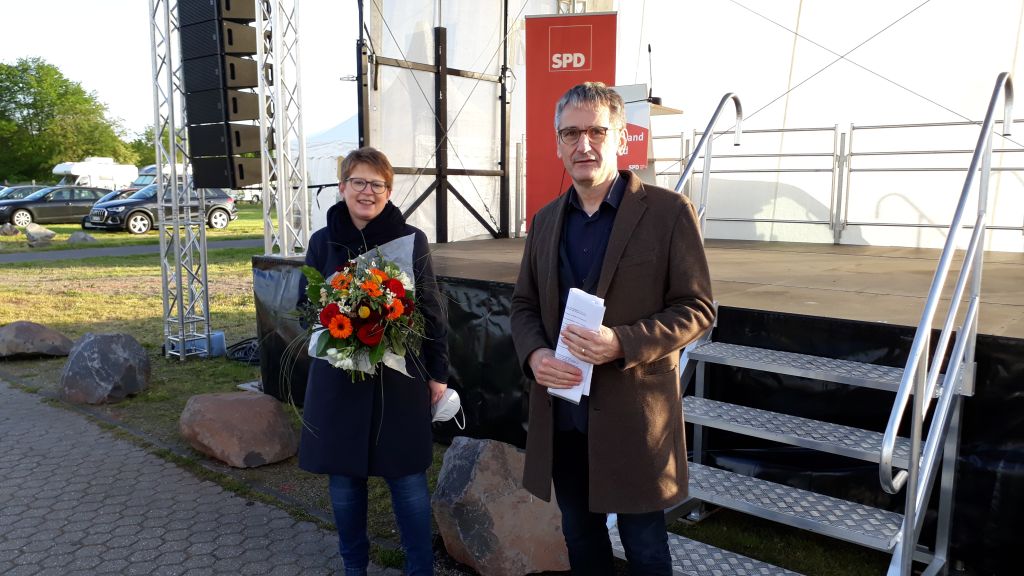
<point>593,95</point>
<point>373,158</point>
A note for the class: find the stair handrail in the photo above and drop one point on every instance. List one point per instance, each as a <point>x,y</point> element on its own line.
<point>706,175</point>
<point>919,380</point>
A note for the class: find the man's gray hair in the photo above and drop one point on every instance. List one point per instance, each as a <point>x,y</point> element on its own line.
<point>593,95</point>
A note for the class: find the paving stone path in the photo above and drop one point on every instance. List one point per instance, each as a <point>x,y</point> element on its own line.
<point>75,500</point>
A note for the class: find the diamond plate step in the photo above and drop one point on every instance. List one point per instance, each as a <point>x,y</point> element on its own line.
<point>693,558</point>
<point>826,515</point>
<point>816,367</point>
<point>793,430</point>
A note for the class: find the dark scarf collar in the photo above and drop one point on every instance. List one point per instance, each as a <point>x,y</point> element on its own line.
<point>387,226</point>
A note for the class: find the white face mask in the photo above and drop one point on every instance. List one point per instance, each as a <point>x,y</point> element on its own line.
<point>447,407</point>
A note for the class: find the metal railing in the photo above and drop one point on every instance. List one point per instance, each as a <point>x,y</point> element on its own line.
<point>848,163</point>
<point>835,157</point>
<point>856,157</point>
<point>920,377</point>
<point>705,145</point>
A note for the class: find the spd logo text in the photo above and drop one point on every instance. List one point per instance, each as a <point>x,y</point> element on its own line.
<point>570,48</point>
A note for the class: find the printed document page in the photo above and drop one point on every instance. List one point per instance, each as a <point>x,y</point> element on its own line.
<point>584,310</point>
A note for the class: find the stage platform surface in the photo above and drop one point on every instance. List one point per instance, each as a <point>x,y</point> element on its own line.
<point>869,283</point>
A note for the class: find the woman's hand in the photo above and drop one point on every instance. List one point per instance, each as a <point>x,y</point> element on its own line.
<point>436,390</point>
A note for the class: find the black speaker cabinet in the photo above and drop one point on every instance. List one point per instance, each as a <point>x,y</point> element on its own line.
<point>217,37</point>
<point>217,106</point>
<point>211,73</point>
<point>194,11</point>
<point>223,139</point>
<point>225,172</point>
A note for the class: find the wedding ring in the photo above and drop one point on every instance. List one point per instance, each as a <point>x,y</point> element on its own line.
<point>583,350</point>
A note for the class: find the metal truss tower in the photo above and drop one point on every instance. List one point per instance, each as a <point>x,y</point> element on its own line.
<point>181,217</point>
<point>285,196</point>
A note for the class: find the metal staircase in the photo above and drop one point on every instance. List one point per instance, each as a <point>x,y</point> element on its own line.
<point>909,464</point>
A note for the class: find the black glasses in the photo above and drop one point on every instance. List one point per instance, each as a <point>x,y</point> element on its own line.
<point>570,136</point>
<point>359,184</point>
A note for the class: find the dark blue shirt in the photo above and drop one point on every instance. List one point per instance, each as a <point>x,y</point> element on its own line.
<point>581,253</point>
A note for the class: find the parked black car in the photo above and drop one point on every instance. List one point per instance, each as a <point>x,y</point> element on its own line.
<point>18,191</point>
<point>50,205</point>
<point>138,213</point>
<point>108,197</point>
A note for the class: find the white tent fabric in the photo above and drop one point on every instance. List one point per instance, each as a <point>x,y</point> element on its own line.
<point>322,153</point>
<point>899,70</point>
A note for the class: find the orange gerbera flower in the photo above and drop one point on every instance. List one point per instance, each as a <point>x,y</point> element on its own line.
<point>395,310</point>
<point>341,281</point>
<point>372,288</point>
<point>340,326</point>
<point>379,274</point>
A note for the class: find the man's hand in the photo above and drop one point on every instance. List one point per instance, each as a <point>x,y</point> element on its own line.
<point>594,346</point>
<point>551,372</point>
<point>436,391</point>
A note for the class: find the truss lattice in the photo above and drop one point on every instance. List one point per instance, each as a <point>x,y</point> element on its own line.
<point>180,213</point>
<point>285,196</point>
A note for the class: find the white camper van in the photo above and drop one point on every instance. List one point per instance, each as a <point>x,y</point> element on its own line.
<point>147,175</point>
<point>96,171</point>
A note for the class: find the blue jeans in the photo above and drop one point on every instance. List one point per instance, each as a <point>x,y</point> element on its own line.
<point>590,551</point>
<point>410,500</point>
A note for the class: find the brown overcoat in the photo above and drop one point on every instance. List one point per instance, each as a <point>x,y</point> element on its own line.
<point>657,293</point>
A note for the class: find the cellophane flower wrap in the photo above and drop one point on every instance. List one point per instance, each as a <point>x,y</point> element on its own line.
<point>365,313</point>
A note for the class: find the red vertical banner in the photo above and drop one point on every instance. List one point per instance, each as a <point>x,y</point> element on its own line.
<point>638,134</point>
<point>561,52</point>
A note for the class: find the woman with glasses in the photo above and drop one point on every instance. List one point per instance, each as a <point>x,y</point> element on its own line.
<point>381,425</point>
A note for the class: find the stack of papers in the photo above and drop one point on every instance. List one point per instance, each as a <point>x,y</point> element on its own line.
<point>587,311</point>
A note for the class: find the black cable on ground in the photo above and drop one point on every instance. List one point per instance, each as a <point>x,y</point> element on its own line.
<point>247,351</point>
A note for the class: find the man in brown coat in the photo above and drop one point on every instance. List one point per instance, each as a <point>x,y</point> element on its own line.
<point>623,448</point>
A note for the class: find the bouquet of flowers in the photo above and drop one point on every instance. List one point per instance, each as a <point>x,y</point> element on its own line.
<point>365,313</point>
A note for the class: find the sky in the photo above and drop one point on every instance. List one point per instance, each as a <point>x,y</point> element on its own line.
<point>104,45</point>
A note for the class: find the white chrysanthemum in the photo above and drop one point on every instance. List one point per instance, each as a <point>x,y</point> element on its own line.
<point>405,280</point>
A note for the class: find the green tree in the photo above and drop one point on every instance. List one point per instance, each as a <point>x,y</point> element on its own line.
<point>142,146</point>
<point>46,119</point>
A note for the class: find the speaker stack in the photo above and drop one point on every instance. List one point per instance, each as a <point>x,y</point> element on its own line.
<point>218,42</point>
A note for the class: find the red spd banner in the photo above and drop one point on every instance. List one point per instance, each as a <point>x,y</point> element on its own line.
<point>638,136</point>
<point>561,52</point>
<point>638,127</point>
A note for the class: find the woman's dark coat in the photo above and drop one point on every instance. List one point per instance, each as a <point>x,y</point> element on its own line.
<point>379,426</point>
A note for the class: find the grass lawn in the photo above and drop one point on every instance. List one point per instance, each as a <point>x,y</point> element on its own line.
<point>124,295</point>
<point>248,225</point>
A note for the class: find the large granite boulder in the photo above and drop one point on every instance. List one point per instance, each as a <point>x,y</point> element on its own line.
<point>38,235</point>
<point>80,237</point>
<point>487,520</point>
<point>28,340</point>
<point>104,368</point>
<point>9,230</point>
<point>241,429</point>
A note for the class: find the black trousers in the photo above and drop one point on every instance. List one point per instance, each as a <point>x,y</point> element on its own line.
<point>586,536</point>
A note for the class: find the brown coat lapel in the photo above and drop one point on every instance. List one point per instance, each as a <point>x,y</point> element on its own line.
<point>631,210</point>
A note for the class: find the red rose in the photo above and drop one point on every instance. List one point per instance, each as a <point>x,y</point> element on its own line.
<point>370,334</point>
<point>329,312</point>
<point>396,287</point>
<point>409,306</point>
